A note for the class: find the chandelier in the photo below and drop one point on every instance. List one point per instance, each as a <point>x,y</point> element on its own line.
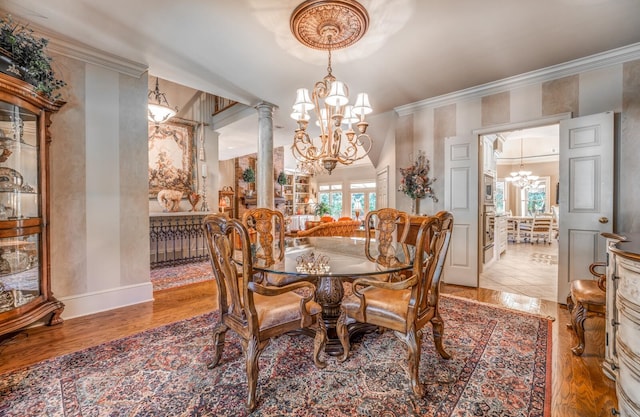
<point>327,25</point>
<point>159,112</point>
<point>523,179</point>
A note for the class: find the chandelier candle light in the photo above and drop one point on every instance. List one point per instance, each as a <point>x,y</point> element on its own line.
<point>523,179</point>
<point>328,25</point>
<point>159,110</point>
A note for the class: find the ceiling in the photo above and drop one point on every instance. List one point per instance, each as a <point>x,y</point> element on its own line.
<point>414,49</point>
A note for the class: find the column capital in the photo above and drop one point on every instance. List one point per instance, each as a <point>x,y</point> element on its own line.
<point>265,109</point>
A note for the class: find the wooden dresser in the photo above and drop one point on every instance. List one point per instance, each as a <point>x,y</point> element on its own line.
<point>622,354</point>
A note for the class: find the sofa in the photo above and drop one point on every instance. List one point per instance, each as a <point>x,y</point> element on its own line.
<point>339,228</point>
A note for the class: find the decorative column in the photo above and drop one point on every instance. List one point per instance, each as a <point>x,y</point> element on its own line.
<point>264,174</point>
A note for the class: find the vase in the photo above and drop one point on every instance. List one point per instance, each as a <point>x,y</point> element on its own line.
<point>415,206</point>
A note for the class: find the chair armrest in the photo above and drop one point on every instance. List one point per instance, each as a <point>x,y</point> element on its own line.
<point>371,282</point>
<point>272,290</point>
<point>602,277</point>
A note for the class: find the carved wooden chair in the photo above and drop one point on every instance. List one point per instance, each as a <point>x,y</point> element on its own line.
<point>408,305</point>
<point>255,312</point>
<point>269,225</point>
<point>385,232</point>
<point>586,296</point>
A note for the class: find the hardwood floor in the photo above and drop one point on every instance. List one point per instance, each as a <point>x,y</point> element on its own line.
<point>579,387</point>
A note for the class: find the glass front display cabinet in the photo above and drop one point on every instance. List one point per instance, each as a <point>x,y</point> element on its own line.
<point>25,287</point>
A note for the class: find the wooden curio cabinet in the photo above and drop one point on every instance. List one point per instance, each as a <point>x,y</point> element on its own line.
<point>25,286</point>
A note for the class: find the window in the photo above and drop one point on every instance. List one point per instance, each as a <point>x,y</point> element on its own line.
<point>363,198</point>
<point>501,196</point>
<point>331,194</point>
<point>362,194</point>
<point>535,200</point>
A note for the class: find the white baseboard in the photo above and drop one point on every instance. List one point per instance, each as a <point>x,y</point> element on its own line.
<point>96,302</point>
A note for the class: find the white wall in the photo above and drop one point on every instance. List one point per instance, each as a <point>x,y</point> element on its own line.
<point>99,186</point>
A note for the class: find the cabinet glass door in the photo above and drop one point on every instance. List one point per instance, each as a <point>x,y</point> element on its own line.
<point>19,271</point>
<point>20,208</point>
<point>19,154</point>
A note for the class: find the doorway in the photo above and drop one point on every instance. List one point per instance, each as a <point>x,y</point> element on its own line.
<point>524,165</point>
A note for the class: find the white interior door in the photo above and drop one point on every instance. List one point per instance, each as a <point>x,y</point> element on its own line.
<point>586,195</point>
<point>461,198</point>
<point>382,188</point>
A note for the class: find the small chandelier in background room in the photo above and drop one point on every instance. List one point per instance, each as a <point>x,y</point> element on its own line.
<point>159,110</point>
<point>523,179</point>
<point>328,25</point>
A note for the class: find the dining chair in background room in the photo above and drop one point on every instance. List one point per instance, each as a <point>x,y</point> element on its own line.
<point>555,224</point>
<point>406,306</point>
<point>539,228</point>
<point>249,308</point>
<point>513,234</point>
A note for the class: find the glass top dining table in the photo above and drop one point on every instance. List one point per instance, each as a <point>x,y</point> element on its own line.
<point>336,256</point>
<point>328,262</point>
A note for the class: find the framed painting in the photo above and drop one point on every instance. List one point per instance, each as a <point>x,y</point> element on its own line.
<point>171,158</point>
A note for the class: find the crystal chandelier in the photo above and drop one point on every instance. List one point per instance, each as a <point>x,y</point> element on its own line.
<point>328,25</point>
<point>159,112</point>
<point>523,179</point>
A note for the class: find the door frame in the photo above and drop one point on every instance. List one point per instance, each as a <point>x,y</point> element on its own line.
<point>527,124</point>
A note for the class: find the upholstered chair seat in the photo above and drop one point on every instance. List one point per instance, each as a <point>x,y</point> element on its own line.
<point>277,309</point>
<point>384,307</point>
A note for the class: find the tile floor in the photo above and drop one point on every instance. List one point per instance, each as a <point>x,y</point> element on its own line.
<point>525,269</point>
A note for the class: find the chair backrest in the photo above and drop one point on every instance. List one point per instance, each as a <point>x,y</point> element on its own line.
<point>270,229</point>
<point>234,299</point>
<point>542,224</point>
<point>432,247</point>
<point>385,221</point>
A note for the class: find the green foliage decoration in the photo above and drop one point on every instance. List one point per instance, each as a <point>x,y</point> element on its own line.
<point>282,178</point>
<point>29,57</point>
<point>249,175</point>
<point>322,208</point>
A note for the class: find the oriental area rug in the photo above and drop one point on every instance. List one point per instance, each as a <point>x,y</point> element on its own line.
<point>176,276</point>
<point>500,367</point>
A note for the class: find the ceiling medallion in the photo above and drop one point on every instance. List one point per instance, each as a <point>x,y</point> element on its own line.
<point>325,25</point>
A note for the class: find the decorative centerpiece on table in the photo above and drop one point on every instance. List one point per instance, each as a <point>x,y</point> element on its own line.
<point>415,181</point>
<point>23,55</point>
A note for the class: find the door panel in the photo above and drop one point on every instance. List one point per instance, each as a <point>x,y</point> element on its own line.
<point>586,195</point>
<point>461,198</point>
<point>382,187</point>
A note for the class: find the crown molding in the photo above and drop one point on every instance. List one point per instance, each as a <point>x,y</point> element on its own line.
<point>77,50</point>
<point>97,57</point>
<point>589,63</point>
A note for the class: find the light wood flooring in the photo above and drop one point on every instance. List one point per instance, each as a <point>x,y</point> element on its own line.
<point>579,387</point>
<point>525,269</point>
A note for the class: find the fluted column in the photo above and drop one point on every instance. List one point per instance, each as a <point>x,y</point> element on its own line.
<point>264,177</point>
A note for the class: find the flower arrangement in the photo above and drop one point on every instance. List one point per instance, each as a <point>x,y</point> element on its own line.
<point>30,61</point>
<point>415,179</point>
